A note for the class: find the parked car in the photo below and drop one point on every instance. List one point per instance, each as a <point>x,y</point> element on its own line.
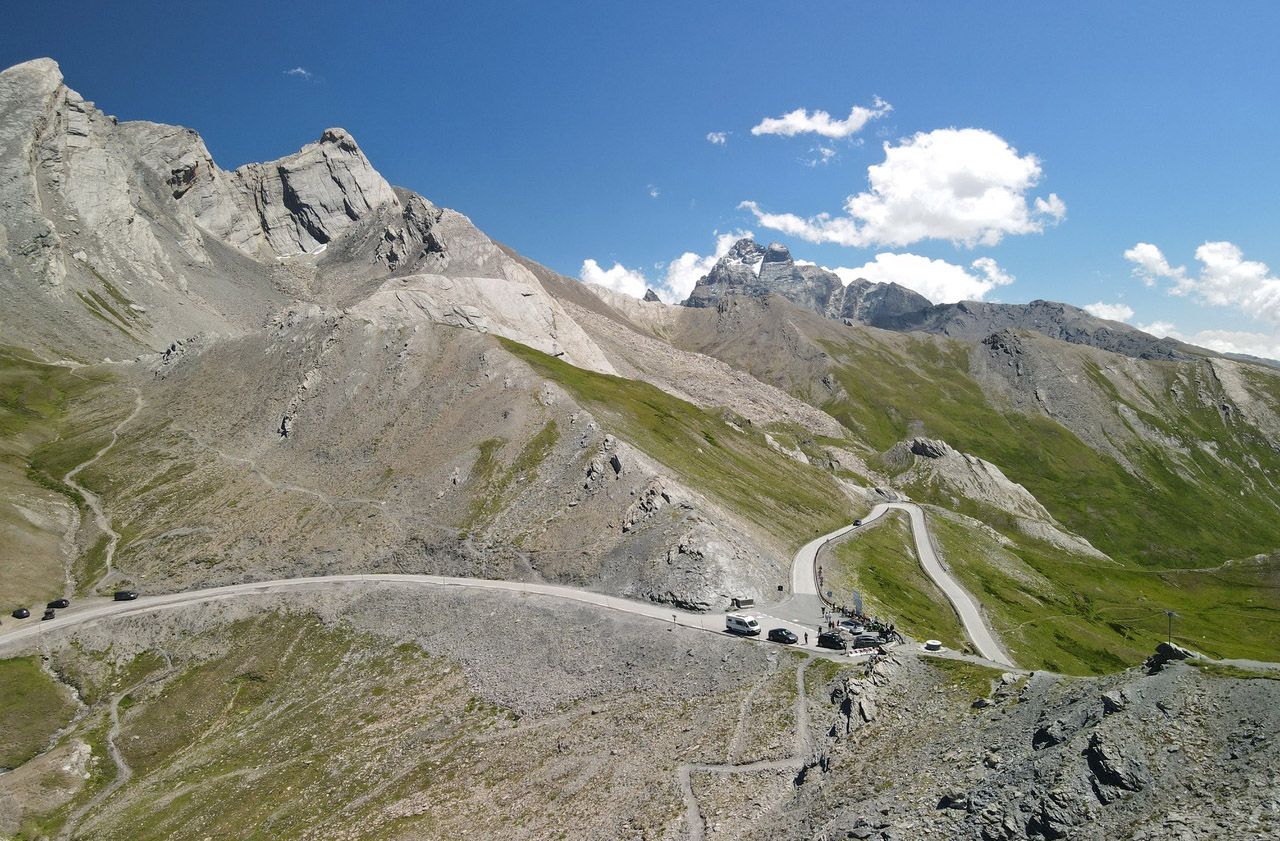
<point>783,635</point>
<point>58,604</point>
<point>22,613</point>
<point>741,623</point>
<point>867,641</point>
<point>831,639</point>
<point>125,595</point>
<point>852,626</point>
<point>48,614</point>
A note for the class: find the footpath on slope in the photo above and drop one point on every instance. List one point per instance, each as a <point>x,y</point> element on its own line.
<point>91,499</point>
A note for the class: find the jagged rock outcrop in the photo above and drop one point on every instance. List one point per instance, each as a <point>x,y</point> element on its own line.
<point>948,471</point>
<point>309,198</point>
<point>975,320</point>
<point>751,269</point>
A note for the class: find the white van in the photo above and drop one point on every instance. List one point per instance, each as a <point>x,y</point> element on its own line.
<point>741,623</point>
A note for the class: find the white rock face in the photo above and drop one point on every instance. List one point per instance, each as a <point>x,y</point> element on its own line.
<point>964,475</point>
<point>310,198</point>
<point>514,306</point>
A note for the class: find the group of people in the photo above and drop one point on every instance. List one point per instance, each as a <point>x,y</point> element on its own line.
<point>887,631</point>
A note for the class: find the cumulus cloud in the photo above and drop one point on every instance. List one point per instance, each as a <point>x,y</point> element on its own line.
<point>800,121</point>
<point>1225,279</point>
<point>1266,345</point>
<point>679,275</point>
<point>1111,312</point>
<point>1239,341</point>
<point>968,186</point>
<point>1161,330</point>
<point>618,278</point>
<point>301,73</point>
<point>717,138</point>
<point>1150,265</point>
<point>937,280</point>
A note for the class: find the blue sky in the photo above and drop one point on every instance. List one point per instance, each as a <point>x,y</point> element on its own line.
<point>579,131</point>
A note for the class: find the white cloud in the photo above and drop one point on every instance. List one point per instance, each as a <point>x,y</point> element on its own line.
<point>1161,330</point>
<point>1238,341</point>
<point>964,185</point>
<point>301,73</point>
<point>820,156</point>
<point>654,191</point>
<point>1150,264</point>
<point>618,278</point>
<point>937,280</point>
<point>1111,312</point>
<point>1223,341</point>
<point>1225,278</point>
<point>801,121</point>
<point>717,138</point>
<point>678,280</point>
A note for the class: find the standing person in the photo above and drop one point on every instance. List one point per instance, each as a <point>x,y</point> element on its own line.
<point>806,637</point>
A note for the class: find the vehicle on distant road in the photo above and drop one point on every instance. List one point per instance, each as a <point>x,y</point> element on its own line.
<point>125,595</point>
<point>741,623</point>
<point>48,614</point>
<point>21,613</point>
<point>857,523</point>
<point>831,639</point>
<point>783,635</point>
<point>867,641</point>
<point>58,603</point>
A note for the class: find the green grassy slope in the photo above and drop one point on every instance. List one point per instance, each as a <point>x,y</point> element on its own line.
<point>881,564</point>
<point>32,709</point>
<point>38,444</point>
<point>1057,612</point>
<point>923,387</point>
<point>786,498</point>
<point>293,728</point>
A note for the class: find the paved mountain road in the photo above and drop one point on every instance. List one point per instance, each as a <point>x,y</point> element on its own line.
<point>801,612</point>
<point>805,601</point>
<point>975,625</point>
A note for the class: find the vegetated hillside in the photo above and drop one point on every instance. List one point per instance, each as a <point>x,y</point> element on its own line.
<point>395,391</point>
<point>1161,463</point>
<point>386,710</point>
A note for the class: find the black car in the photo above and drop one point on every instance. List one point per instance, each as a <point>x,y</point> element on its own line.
<point>48,614</point>
<point>831,639</point>
<point>125,595</point>
<point>867,641</point>
<point>783,635</point>
<point>58,604</point>
<point>22,613</point>
<point>857,523</point>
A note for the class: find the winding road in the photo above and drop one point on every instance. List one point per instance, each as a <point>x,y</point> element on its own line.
<point>970,616</point>
<point>801,612</point>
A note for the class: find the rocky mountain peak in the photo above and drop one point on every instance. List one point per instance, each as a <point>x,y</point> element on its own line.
<point>752,269</point>
<point>309,198</point>
<point>777,263</point>
<point>745,250</point>
<point>38,72</point>
<point>341,137</point>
